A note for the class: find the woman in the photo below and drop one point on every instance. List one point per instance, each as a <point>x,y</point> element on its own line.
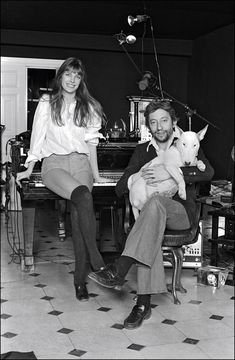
<point>65,135</point>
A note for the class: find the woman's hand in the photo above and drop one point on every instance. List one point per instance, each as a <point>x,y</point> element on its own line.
<point>155,173</point>
<point>22,175</point>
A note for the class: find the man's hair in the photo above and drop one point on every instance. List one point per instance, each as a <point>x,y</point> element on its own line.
<point>160,104</point>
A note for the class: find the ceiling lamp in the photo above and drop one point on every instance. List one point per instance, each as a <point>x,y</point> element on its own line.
<point>139,18</point>
<point>122,38</point>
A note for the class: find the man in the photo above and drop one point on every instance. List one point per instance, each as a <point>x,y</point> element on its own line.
<point>143,245</point>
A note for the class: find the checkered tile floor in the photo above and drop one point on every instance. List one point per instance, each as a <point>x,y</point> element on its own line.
<point>39,311</point>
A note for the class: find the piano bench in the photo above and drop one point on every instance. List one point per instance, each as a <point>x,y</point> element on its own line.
<point>104,198</point>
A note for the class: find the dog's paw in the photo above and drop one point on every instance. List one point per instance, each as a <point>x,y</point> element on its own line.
<point>200,165</point>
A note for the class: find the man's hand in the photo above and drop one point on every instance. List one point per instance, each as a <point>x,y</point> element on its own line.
<point>152,175</point>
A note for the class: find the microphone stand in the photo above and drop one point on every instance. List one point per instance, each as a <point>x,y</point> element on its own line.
<point>135,132</point>
<point>189,112</point>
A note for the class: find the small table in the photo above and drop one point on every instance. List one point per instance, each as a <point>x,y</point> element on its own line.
<point>227,238</point>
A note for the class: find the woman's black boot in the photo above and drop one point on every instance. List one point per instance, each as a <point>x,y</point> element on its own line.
<point>81,292</point>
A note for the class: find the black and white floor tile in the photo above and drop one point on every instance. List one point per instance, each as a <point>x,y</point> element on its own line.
<point>39,311</point>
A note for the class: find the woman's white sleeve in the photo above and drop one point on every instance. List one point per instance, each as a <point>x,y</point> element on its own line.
<point>40,123</point>
<point>92,134</point>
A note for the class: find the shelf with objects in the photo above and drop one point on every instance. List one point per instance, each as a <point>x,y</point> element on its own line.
<point>218,242</point>
<point>138,129</point>
<point>218,226</point>
<point>223,243</point>
<point>38,83</point>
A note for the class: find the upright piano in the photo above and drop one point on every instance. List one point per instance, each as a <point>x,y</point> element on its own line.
<point>112,160</point>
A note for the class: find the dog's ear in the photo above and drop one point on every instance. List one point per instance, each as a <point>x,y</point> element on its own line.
<point>202,132</point>
<point>177,131</point>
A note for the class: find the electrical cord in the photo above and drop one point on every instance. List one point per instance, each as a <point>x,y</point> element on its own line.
<point>12,214</point>
<point>142,48</point>
<point>156,59</point>
<point>13,233</point>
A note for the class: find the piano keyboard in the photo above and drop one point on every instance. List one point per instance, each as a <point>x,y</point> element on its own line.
<point>40,184</point>
<point>112,183</point>
<point>37,184</point>
<point>114,177</point>
<point>36,180</point>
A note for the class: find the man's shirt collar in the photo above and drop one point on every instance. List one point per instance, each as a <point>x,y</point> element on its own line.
<point>155,145</point>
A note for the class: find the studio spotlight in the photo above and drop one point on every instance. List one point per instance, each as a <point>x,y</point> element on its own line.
<point>139,18</point>
<point>130,39</point>
<point>122,38</point>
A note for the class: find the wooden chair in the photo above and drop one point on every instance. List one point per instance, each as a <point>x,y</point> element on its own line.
<point>172,246</point>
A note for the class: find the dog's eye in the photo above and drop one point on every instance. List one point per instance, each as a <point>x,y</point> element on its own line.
<point>195,145</point>
<point>183,144</point>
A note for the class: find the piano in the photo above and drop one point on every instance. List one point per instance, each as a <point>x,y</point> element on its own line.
<point>112,160</point>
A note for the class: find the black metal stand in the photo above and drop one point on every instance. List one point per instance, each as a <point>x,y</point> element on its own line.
<point>189,112</point>
<point>153,84</point>
<point>7,190</point>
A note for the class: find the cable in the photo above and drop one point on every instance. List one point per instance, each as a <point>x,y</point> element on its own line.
<point>142,48</point>
<point>13,225</point>
<point>12,215</point>
<point>136,67</point>
<point>156,59</point>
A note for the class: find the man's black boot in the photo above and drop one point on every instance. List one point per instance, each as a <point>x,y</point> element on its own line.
<point>136,317</point>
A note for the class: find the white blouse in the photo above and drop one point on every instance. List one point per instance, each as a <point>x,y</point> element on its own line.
<point>48,138</point>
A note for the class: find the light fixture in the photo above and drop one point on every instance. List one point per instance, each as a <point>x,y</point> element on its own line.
<point>139,18</point>
<point>145,80</point>
<point>122,38</point>
<point>130,39</point>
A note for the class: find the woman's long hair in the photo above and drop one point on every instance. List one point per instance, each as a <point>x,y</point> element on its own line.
<point>84,101</point>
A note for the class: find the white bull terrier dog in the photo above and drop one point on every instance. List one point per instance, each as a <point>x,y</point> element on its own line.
<point>183,153</point>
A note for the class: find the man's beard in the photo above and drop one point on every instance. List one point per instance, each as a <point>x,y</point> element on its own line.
<point>165,138</point>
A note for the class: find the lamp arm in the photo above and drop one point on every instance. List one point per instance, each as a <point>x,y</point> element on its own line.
<point>130,58</point>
